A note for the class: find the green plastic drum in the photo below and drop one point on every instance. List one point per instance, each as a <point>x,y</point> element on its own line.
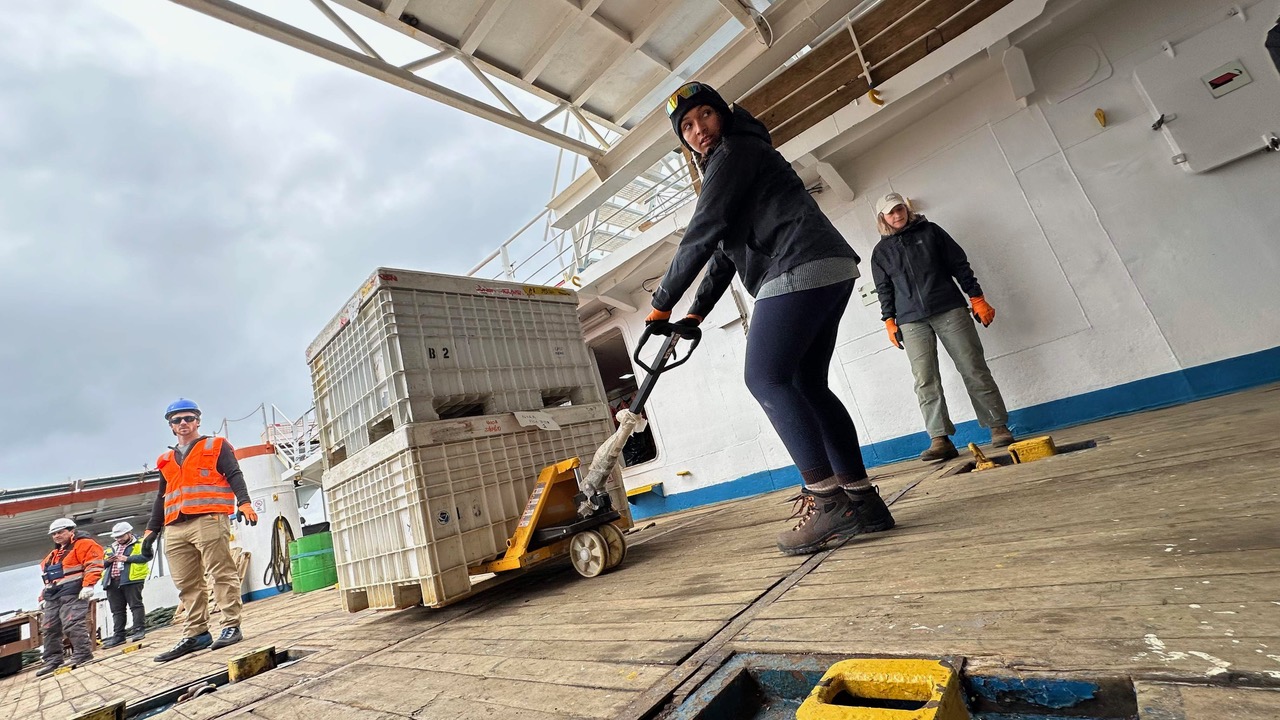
<point>311,562</point>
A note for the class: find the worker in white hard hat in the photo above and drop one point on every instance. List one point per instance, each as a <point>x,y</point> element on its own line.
<point>70,572</point>
<point>127,568</point>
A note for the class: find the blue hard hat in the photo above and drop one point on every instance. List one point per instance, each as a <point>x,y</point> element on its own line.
<point>179,405</point>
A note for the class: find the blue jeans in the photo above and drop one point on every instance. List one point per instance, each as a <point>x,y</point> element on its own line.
<point>789,349</point>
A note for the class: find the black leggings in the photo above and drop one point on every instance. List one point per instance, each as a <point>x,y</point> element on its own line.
<point>789,351</point>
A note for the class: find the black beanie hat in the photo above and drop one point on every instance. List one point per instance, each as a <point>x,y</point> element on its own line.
<point>689,96</point>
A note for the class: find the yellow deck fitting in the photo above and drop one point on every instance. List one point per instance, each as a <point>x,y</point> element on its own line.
<point>131,647</point>
<point>932,684</point>
<point>655,488</point>
<point>874,96</point>
<point>980,461</point>
<point>245,666</point>
<point>1038,448</point>
<point>64,670</point>
<point>114,711</point>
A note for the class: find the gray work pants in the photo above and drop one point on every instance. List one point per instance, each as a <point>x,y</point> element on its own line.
<point>959,335</point>
<point>66,613</point>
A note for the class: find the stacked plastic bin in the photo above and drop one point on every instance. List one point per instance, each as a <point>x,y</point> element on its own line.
<point>439,400</point>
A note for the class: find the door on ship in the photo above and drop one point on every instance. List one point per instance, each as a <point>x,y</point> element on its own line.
<point>614,363</point>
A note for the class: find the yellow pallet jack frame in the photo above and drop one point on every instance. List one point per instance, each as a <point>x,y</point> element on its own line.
<point>593,548</point>
<point>570,515</point>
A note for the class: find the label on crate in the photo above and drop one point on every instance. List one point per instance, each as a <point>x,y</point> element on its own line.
<point>536,290</point>
<point>537,419</point>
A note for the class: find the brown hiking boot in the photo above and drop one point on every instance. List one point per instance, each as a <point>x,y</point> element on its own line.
<point>833,518</point>
<point>940,448</point>
<point>1001,437</point>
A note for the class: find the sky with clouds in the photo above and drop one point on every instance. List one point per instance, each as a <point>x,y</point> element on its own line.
<point>183,205</point>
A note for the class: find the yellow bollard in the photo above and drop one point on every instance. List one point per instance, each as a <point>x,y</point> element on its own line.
<point>886,689</point>
<point>1038,448</point>
<point>243,667</point>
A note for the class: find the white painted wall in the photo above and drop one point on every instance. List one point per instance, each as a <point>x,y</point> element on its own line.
<point>1105,262</point>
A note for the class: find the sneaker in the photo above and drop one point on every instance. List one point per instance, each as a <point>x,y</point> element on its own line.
<point>186,646</point>
<point>229,636</point>
<point>827,519</point>
<point>47,669</point>
<point>940,448</point>
<point>1001,437</point>
<point>113,641</point>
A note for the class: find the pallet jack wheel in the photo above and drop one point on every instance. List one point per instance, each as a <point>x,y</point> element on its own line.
<point>617,544</point>
<point>589,553</point>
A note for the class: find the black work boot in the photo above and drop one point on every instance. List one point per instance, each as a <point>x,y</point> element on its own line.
<point>825,519</point>
<point>47,669</point>
<point>940,448</point>
<point>114,640</point>
<point>185,646</point>
<point>229,636</point>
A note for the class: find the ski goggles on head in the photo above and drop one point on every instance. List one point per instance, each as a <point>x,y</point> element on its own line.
<point>684,92</point>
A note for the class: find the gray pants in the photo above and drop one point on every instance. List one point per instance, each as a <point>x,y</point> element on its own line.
<point>959,335</point>
<point>68,614</point>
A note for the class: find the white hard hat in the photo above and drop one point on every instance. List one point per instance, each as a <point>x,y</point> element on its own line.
<point>121,528</point>
<point>61,524</point>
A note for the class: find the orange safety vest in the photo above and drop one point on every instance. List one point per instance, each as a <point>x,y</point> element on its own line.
<point>77,565</point>
<point>194,486</point>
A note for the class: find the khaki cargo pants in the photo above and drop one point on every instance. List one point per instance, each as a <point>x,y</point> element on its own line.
<point>192,548</point>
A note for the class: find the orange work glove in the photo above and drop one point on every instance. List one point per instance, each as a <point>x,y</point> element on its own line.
<point>983,311</point>
<point>657,316</point>
<point>247,514</point>
<point>895,335</point>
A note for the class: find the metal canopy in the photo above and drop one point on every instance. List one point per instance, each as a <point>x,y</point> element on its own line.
<point>599,61</point>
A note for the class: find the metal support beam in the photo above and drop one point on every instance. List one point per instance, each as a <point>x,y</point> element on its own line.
<point>268,27</point>
<point>735,70</point>
<point>625,37</point>
<point>422,35</point>
<point>341,24</point>
<point>564,30</point>
<point>832,179</point>
<point>661,11</point>
<point>395,8</point>
<point>485,18</point>
<point>739,13</point>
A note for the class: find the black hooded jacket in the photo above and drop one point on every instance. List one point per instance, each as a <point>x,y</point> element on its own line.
<point>754,217</point>
<point>916,270</point>
<point>1273,44</point>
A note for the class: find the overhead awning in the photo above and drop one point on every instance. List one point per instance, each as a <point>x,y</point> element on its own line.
<point>600,61</point>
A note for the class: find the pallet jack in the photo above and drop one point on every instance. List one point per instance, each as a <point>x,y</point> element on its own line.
<point>578,518</point>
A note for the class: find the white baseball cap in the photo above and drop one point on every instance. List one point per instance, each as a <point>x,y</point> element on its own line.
<point>889,202</point>
<point>121,529</point>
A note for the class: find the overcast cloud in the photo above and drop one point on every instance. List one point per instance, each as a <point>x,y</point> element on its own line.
<point>183,205</point>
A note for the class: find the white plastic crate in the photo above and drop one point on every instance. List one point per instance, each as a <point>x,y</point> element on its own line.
<point>414,347</point>
<point>411,512</point>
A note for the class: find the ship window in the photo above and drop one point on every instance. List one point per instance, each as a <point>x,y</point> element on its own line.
<point>620,387</point>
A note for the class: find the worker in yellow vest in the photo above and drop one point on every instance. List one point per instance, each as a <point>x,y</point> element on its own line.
<point>201,486</point>
<point>127,567</point>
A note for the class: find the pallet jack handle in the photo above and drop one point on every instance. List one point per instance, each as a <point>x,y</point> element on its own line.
<point>666,359</point>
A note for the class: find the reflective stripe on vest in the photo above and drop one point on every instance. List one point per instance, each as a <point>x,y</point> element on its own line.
<point>195,487</point>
